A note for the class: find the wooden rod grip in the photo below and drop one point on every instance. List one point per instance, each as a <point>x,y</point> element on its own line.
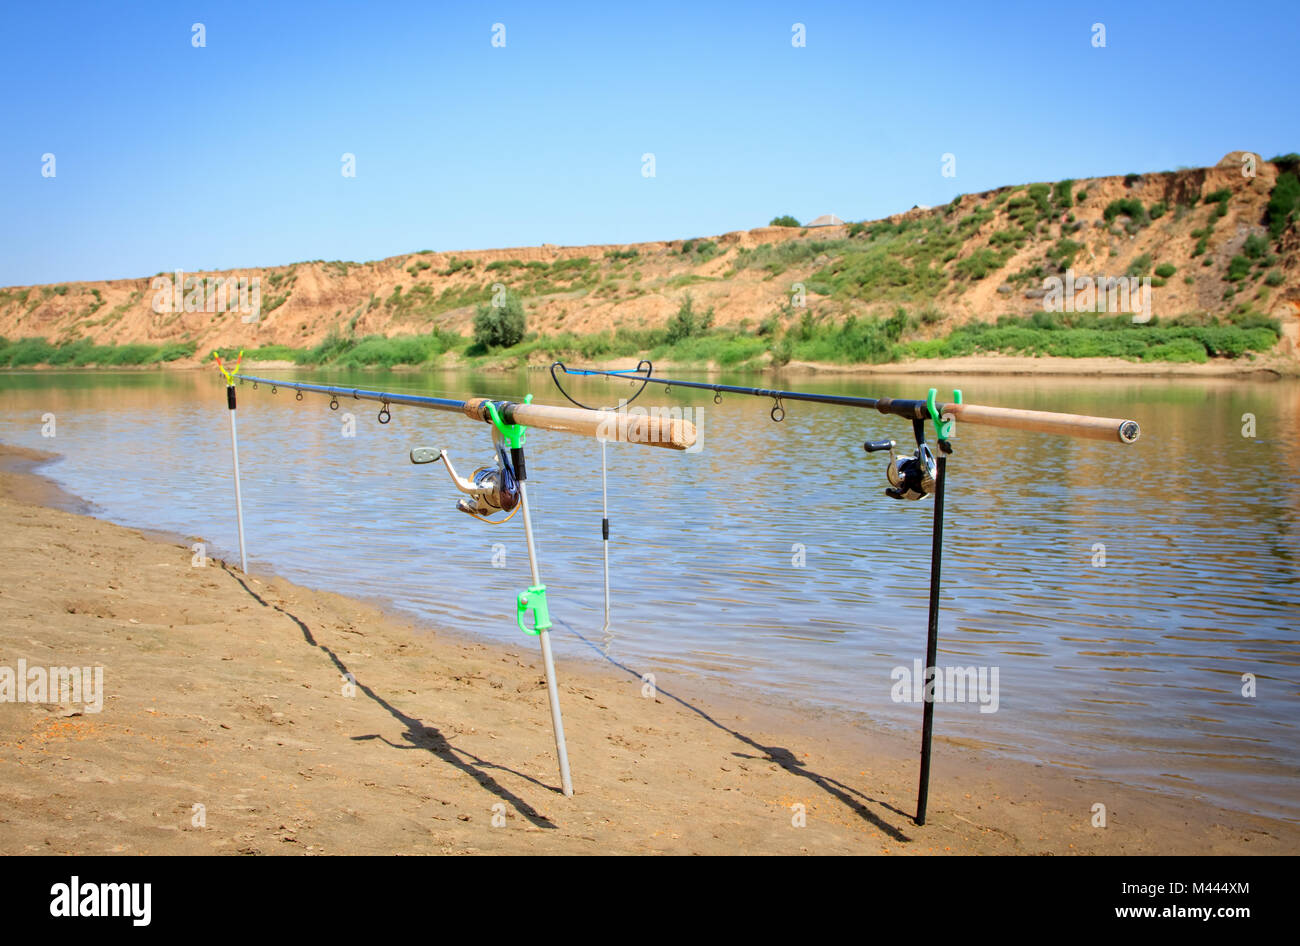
<point>1113,429</point>
<point>674,433</point>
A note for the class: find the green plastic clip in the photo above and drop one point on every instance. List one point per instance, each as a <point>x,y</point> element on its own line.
<point>515,434</point>
<point>534,600</point>
<point>943,428</point>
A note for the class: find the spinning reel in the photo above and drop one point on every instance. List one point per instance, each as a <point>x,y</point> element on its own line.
<point>491,489</point>
<point>914,476</point>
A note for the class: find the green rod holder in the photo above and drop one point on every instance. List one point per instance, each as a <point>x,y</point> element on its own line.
<point>533,600</point>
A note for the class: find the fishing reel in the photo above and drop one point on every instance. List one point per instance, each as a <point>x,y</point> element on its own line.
<point>490,489</point>
<point>911,476</point>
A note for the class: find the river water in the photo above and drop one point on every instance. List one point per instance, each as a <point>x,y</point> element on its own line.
<point>771,560</point>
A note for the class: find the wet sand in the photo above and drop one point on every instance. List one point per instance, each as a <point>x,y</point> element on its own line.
<point>228,691</point>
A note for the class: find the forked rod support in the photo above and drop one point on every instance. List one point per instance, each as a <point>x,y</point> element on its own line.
<point>932,639</point>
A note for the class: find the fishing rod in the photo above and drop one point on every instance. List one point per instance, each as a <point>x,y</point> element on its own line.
<point>1070,425</point>
<point>498,487</point>
<point>670,433</point>
<point>911,477</point>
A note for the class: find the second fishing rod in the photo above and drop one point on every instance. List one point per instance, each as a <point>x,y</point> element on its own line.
<point>1069,425</point>
<point>911,476</point>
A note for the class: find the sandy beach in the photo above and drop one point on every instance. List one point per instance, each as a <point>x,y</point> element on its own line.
<point>228,726</point>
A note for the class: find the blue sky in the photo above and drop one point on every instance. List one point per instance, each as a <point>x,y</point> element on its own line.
<point>169,156</point>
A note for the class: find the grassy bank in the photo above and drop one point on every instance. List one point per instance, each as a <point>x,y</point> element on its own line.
<point>30,352</point>
<point>691,338</point>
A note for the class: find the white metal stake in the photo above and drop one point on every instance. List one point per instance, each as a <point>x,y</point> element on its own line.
<point>604,532</point>
<point>239,501</point>
<point>548,662</point>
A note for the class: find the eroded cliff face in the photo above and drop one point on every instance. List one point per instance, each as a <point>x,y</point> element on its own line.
<point>982,256</point>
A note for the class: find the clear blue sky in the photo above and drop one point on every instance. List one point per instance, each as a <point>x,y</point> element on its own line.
<point>168,156</point>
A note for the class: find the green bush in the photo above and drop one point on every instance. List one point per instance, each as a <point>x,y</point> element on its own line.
<point>1130,207</point>
<point>172,352</point>
<point>1140,266</point>
<point>1221,197</point>
<point>686,323</point>
<point>858,341</point>
<point>1165,270</point>
<point>1040,194</point>
<point>1282,203</point>
<point>782,352</point>
<point>500,326</point>
<point>1274,278</point>
<point>704,250</point>
<point>1255,246</point>
<point>784,221</point>
<point>981,263</point>
<point>1238,269</point>
<point>1003,237</point>
<point>1064,252</point>
<point>1287,162</point>
<point>1061,194</point>
<point>1179,350</point>
<point>1158,209</point>
<point>456,265</point>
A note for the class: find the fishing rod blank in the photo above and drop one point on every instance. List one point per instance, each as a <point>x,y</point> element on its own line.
<point>672,433</point>
<point>1068,425</point>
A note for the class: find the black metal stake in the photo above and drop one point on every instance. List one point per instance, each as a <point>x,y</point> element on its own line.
<point>932,641</point>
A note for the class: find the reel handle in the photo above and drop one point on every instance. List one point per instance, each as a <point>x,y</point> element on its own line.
<point>875,446</point>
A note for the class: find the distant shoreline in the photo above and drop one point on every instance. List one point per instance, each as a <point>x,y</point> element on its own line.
<point>1260,368</point>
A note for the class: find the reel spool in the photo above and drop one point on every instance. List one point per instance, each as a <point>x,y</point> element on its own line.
<point>489,490</point>
<point>912,477</point>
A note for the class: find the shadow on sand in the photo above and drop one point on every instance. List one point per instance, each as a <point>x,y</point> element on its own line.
<point>418,735</point>
<point>779,755</point>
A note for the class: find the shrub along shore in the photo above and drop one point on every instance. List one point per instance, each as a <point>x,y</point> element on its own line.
<point>690,337</point>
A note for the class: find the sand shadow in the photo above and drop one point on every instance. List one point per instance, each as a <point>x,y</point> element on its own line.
<point>418,735</point>
<point>779,755</point>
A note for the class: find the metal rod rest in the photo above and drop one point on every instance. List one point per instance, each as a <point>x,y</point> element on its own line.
<point>548,661</point>
<point>931,672</point>
<point>239,500</point>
